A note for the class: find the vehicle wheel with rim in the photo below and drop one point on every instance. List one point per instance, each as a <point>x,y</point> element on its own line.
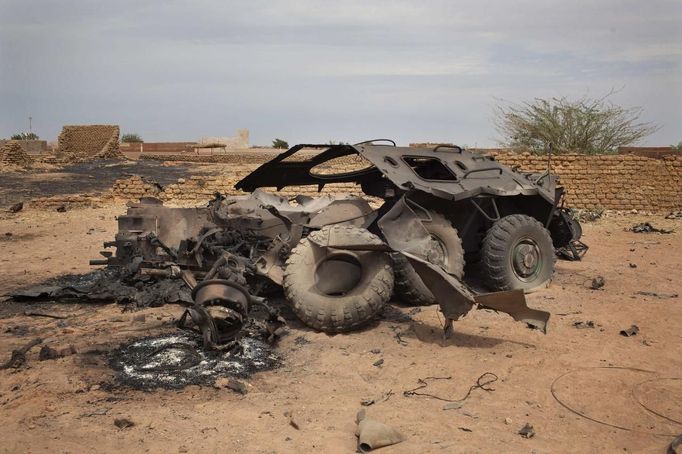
<point>517,253</point>
<point>337,290</point>
<point>446,251</point>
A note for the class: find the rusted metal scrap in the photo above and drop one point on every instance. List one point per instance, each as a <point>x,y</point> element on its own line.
<point>337,258</point>
<point>646,227</point>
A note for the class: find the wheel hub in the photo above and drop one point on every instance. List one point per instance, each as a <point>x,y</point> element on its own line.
<point>526,259</point>
<point>438,253</point>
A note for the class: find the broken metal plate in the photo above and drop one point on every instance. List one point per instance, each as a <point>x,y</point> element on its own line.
<point>513,302</point>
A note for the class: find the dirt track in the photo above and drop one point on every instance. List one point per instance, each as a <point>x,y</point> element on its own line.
<point>68,405</point>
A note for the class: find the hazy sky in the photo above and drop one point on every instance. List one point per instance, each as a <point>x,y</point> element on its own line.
<point>310,71</point>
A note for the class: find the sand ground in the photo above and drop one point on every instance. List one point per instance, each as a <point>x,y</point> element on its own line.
<point>69,405</point>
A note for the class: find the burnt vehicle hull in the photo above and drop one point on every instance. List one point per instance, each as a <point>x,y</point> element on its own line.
<point>334,255</point>
<point>473,191</point>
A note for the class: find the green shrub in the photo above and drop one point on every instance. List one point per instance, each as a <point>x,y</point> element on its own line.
<point>25,136</point>
<point>131,138</point>
<point>279,143</point>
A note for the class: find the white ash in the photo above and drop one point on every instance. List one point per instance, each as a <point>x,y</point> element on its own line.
<point>178,360</point>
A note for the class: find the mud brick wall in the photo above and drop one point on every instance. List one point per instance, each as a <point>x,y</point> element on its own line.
<point>29,146</point>
<point>615,182</point>
<point>650,152</point>
<point>12,154</point>
<point>70,201</point>
<point>239,140</point>
<point>86,142</point>
<point>246,157</point>
<point>199,189</point>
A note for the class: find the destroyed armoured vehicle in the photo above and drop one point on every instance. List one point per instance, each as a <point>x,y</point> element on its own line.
<point>339,258</point>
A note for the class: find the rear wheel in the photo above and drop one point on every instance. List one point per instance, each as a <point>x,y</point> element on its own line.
<point>517,253</point>
<point>337,290</point>
<point>446,251</point>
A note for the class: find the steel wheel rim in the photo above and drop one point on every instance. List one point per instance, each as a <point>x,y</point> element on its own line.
<point>438,253</point>
<point>526,259</point>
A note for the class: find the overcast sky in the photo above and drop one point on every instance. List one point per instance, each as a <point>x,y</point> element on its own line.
<point>310,71</point>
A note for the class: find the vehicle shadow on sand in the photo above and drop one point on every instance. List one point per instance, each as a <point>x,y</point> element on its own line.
<point>434,335</point>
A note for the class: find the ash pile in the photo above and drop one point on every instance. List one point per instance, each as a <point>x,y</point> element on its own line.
<point>173,361</point>
<point>226,332</point>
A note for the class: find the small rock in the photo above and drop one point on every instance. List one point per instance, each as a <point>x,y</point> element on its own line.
<point>123,423</point>
<point>632,331</point>
<point>527,431</point>
<point>366,402</point>
<point>378,362</point>
<point>47,353</point>
<point>376,351</point>
<point>632,265</point>
<point>17,207</point>
<point>584,325</point>
<point>61,209</point>
<point>598,282</point>
<point>508,421</point>
<point>230,383</point>
<point>237,386</point>
<point>292,421</point>
<point>453,405</point>
<point>96,412</point>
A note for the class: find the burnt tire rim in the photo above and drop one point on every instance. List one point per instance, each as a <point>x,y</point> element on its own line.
<point>526,259</point>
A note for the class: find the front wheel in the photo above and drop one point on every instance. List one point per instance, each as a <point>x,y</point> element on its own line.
<point>517,253</point>
<point>446,252</point>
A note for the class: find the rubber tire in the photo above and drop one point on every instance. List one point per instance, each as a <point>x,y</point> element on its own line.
<point>496,251</point>
<point>333,314</point>
<point>409,287</point>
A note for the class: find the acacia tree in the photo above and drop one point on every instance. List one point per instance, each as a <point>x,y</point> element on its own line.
<point>131,137</point>
<point>589,126</point>
<point>25,136</point>
<point>279,143</point>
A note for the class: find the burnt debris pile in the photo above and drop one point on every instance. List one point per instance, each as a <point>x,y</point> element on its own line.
<point>109,285</point>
